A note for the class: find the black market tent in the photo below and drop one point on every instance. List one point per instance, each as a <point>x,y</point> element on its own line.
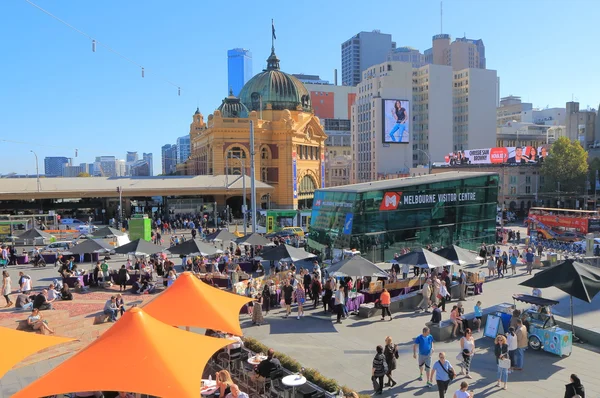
<point>194,246</point>
<point>107,232</point>
<point>457,255</point>
<point>91,246</point>
<point>574,278</point>
<point>139,247</point>
<point>253,240</point>
<point>33,234</point>
<point>285,253</point>
<point>422,258</point>
<point>535,300</point>
<point>355,266</point>
<point>221,235</point>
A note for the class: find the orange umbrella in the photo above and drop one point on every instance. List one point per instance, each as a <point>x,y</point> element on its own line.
<point>137,354</point>
<point>19,345</point>
<point>191,302</point>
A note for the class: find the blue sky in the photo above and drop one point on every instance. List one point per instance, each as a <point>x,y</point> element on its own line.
<point>56,95</point>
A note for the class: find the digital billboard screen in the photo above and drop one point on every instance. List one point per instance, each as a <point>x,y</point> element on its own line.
<point>510,155</point>
<point>396,121</point>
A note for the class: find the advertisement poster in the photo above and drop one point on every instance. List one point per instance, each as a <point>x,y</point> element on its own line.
<point>498,155</point>
<point>322,170</point>
<point>396,121</point>
<point>294,175</point>
<point>348,224</point>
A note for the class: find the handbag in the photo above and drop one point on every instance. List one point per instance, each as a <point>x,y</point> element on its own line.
<point>504,363</point>
<point>450,372</point>
<point>576,395</point>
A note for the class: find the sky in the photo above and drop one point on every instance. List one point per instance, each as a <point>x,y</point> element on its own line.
<point>57,96</point>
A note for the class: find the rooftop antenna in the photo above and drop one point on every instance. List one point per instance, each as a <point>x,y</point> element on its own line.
<point>441,17</point>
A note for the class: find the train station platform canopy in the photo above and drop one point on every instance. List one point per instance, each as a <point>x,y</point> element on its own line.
<point>108,187</point>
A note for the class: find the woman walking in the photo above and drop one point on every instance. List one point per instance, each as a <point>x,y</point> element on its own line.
<point>467,347</point>
<point>257,315</point>
<point>123,277</point>
<point>378,370</point>
<point>478,316</point>
<point>504,262</point>
<point>385,299</point>
<point>513,263</point>
<point>512,342</point>
<point>391,354</point>
<point>300,299</point>
<point>6,288</point>
<point>444,294</point>
<point>574,388</point>
<point>442,370</point>
<point>327,295</point>
<point>501,352</point>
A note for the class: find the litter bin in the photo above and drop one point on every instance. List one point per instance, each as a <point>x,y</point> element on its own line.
<point>537,261</point>
<point>553,258</point>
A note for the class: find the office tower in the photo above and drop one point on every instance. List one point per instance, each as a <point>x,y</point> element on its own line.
<point>474,108</point>
<point>120,168</point>
<point>131,157</point>
<point>581,124</point>
<point>148,158</point>
<point>363,51</point>
<point>183,148</point>
<point>374,156</point>
<point>239,69</point>
<point>169,158</point>
<point>53,165</point>
<point>140,168</point>
<point>407,54</point>
<point>74,171</point>
<point>105,166</point>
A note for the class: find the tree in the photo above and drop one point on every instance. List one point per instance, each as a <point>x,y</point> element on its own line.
<point>566,164</point>
<point>83,174</point>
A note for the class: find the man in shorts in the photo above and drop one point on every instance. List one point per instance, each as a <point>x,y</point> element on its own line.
<point>425,344</point>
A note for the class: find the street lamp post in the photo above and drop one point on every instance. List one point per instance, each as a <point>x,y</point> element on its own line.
<point>428,159</point>
<point>37,170</point>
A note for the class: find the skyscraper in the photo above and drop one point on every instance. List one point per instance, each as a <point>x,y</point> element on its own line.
<point>148,158</point>
<point>183,148</point>
<point>131,157</point>
<point>239,69</point>
<point>169,158</point>
<point>53,165</point>
<point>363,51</point>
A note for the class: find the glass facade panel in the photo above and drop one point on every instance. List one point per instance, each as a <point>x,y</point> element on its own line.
<point>380,222</point>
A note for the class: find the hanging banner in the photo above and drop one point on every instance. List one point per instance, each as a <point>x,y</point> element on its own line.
<point>322,170</point>
<point>497,155</point>
<point>294,175</point>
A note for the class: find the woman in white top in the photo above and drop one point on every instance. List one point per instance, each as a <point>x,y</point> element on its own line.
<point>6,288</point>
<point>443,294</point>
<point>467,349</point>
<point>463,393</point>
<point>511,340</point>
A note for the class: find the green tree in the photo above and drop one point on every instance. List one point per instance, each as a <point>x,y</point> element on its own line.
<point>566,164</point>
<point>83,174</point>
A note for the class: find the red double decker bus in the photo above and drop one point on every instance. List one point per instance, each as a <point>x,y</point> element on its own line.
<point>562,224</point>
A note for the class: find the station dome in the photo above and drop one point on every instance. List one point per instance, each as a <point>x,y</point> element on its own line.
<point>277,88</point>
<point>233,107</point>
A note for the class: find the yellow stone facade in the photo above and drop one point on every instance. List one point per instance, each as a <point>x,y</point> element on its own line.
<point>216,142</point>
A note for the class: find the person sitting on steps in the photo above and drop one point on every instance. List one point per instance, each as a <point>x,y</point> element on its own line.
<point>36,322</point>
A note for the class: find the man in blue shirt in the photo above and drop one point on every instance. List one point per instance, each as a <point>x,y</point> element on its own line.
<point>529,259</point>
<point>425,344</point>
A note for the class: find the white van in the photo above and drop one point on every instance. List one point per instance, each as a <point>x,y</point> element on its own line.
<point>71,221</point>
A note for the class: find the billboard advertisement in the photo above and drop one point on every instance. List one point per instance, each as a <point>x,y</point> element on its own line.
<point>498,155</point>
<point>396,121</point>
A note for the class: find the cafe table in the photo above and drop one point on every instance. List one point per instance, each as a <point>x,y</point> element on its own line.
<point>209,387</point>
<point>294,381</point>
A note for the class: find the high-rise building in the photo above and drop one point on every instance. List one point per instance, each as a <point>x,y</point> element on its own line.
<point>239,69</point>
<point>74,171</point>
<point>140,168</point>
<point>407,54</point>
<point>581,124</point>
<point>106,166</point>
<point>169,158</point>
<point>362,51</point>
<point>131,157</point>
<point>512,109</point>
<point>120,168</point>
<point>474,100</point>
<point>183,148</point>
<point>149,158</point>
<point>53,165</point>
<point>380,86</point>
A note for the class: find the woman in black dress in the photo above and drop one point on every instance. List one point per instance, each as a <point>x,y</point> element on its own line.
<point>391,354</point>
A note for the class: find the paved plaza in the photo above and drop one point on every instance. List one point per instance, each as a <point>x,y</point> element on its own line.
<point>344,352</point>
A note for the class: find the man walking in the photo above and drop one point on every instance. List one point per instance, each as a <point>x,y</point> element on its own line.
<point>521,332</point>
<point>529,256</point>
<point>425,344</point>
<point>426,292</point>
<point>463,285</point>
<point>339,303</point>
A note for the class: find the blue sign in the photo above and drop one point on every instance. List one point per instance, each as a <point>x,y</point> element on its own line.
<point>348,224</point>
<point>294,175</point>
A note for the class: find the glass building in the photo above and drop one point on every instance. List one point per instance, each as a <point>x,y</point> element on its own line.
<point>382,217</point>
<point>239,69</point>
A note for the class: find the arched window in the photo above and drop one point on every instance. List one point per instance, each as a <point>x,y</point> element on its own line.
<point>265,154</point>
<point>307,188</point>
<point>235,158</point>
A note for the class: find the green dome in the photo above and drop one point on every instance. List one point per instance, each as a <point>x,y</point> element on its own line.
<point>232,107</point>
<point>277,88</point>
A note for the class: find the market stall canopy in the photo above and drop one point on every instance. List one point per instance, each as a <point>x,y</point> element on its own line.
<point>457,255</point>
<point>139,247</point>
<point>191,302</point>
<point>535,300</point>
<point>34,233</point>
<point>356,266</point>
<point>194,246</point>
<point>171,361</point>
<point>253,240</point>
<point>91,246</point>
<point>107,232</point>
<point>222,235</point>
<point>19,345</point>
<point>572,277</point>
<point>422,258</point>
<point>286,253</point>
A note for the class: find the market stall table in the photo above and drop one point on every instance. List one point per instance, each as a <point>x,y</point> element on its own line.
<point>354,301</point>
<point>209,387</point>
<point>294,381</point>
